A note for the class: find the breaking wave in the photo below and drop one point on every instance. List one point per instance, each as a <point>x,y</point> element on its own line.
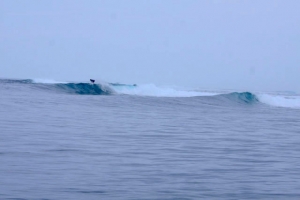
<point>155,91</point>
<point>84,88</point>
<point>64,87</point>
<point>243,97</point>
<point>280,100</point>
<point>291,101</point>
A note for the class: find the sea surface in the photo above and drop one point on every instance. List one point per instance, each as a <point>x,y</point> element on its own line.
<point>62,140</point>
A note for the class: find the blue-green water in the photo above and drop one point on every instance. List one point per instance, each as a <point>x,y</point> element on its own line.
<point>116,141</point>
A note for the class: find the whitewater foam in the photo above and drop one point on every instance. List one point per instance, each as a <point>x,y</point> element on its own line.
<point>46,81</point>
<point>280,101</point>
<point>153,90</point>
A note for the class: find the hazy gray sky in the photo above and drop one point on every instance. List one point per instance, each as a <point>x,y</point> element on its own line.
<point>235,44</point>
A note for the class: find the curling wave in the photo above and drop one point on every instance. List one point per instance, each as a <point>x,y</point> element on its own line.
<point>70,88</point>
<point>290,101</point>
<point>84,88</point>
<point>242,97</point>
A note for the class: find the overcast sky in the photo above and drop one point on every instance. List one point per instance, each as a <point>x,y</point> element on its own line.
<point>234,44</point>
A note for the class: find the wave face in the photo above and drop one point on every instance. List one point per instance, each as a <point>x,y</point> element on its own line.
<point>84,88</point>
<point>64,87</point>
<point>243,97</point>
<point>151,90</point>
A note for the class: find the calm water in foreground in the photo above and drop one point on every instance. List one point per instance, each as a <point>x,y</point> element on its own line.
<point>57,143</point>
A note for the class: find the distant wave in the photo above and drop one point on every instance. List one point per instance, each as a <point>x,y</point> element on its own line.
<point>291,101</point>
<point>16,81</point>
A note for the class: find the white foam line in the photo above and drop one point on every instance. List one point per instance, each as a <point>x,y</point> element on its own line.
<point>46,81</point>
<point>153,90</point>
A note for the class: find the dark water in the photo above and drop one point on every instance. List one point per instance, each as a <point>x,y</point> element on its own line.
<point>58,144</point>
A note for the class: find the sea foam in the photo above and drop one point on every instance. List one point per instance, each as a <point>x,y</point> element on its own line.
<point>156,91</point>
<point>280,100</point>
<point>46,81</point>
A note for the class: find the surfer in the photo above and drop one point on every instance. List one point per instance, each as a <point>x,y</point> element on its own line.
<point>92,81</point>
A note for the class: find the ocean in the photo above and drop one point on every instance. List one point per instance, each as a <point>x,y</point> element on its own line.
<point>63,140</point>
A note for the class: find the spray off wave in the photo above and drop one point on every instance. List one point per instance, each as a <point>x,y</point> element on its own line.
<point>291,101</point>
